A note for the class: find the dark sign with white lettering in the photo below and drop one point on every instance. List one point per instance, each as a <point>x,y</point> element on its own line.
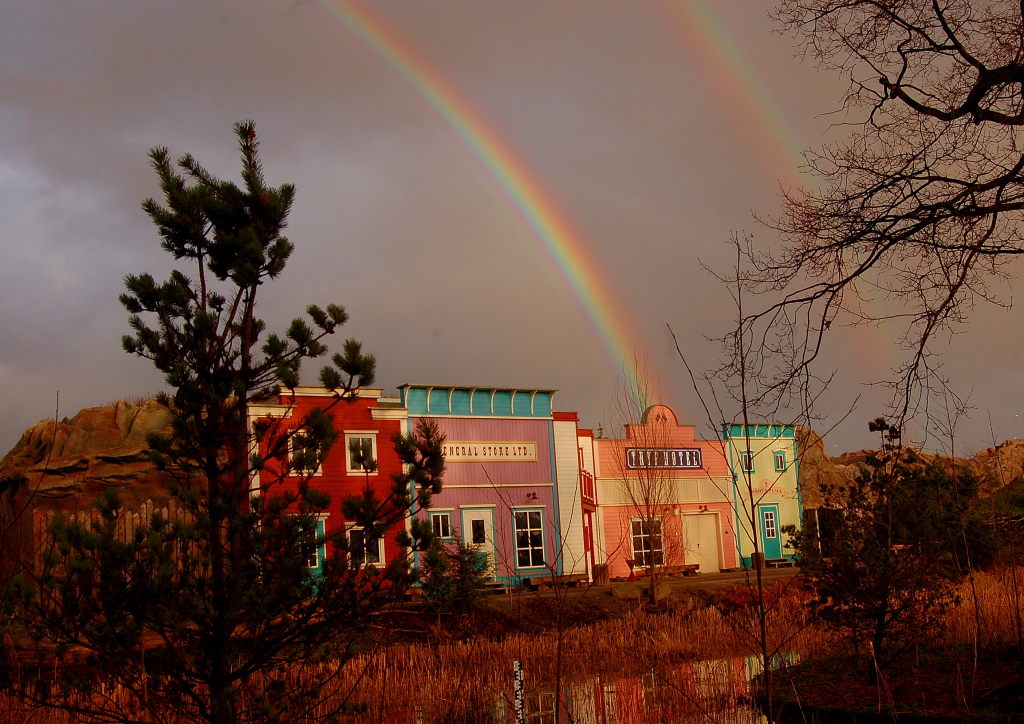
<point>677,458</point>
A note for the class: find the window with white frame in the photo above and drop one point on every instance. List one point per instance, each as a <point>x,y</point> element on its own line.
<point>780,461</point>
<point>361,452</point>
<point>540,708</point>
<point>319,549</point>
<point>747,461</point>
<point>648,547</point>
<point>529,538</point>
<point>360,552</point>
<point>303,454</point>
<point>441,523</point>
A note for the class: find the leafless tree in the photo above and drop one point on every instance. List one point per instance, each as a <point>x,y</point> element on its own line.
<point>920,207</point>
<point>650,490</point>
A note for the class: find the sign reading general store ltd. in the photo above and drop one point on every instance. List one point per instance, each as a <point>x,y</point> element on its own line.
<point>676,458</point>
<point>489,452</point>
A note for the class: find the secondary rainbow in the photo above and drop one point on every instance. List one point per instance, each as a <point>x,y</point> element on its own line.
<point>742,90</point>
<point>559,243</point>
<point>739,88</point>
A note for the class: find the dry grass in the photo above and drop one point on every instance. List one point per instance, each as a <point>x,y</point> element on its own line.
<point>658,667</point>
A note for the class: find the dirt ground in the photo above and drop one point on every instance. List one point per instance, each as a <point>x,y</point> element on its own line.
<point>539,611</point>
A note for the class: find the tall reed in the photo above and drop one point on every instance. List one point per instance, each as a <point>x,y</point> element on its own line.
<point>662,667</point>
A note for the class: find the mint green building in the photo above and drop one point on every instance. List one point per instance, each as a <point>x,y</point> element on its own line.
<point>766,485</point>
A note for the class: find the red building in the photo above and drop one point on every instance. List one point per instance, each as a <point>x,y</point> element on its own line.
<point>369,420</point>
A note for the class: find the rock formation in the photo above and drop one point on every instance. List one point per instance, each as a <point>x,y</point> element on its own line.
<point>817,470</point>
<point>66,465</point>
<point>996,467</point>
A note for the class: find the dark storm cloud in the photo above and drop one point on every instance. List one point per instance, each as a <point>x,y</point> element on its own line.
<point>616,118</point>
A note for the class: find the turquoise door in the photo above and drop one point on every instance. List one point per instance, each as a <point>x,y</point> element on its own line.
<point>771,540</point>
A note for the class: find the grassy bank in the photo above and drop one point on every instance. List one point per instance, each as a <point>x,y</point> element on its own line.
<point>687,663</point>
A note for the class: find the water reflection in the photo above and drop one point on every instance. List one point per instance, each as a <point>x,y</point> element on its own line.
<point>716,690</point>
<point>701,691</point>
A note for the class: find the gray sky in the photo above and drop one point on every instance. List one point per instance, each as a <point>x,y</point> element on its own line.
<point>656,129</point>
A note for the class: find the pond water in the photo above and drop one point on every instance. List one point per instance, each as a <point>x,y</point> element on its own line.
<point>702,691</point>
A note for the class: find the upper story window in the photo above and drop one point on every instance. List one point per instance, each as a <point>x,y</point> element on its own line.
<point>361,452</point>
<point>747,461</point>
<point>303,455</point>
<point>780,461</point>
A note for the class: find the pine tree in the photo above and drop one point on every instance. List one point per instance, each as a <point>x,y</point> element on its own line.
<point>901,540</point>
<point>215,617</point>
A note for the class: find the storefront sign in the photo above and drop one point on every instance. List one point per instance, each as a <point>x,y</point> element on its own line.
<point>496,451</point>
<point>679,458</point>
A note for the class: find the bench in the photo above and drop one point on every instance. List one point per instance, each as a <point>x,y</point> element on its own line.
<point>687,570</point>
<point>542,583</point>
<point>497,588</point>
<point>670,571</point>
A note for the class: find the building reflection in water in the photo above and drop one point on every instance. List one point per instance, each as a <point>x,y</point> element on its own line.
<point>717,690</point>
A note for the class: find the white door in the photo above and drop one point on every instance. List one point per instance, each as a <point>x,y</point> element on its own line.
<point>702,541</point>
<point>478,531</point>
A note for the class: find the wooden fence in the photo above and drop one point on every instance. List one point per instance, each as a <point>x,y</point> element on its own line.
<point>126,523</point>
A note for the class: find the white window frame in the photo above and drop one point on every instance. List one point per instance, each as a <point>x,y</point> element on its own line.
<point>539,708</point>
<point>746,461</point>
<point>785,463</point>
<point>451,529</point>
<point>380,562</point>
<point>320,552</point>
<point>529,530</point>
<point>358,435</point>
<point>300,472</point>
<point>651,550</point>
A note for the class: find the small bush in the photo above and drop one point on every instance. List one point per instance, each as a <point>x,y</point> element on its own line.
<point>453,576</point>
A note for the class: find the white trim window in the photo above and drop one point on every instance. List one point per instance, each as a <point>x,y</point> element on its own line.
<point>529,526</point>
<point>540,708</point>
<point>747,461</point>
<point>301,451</point>
<point>441,524</point>
<point>648,546</point>
<point>320,551</point>
<point>371,556</point>
<point>780,461</point>
<point>357,445</point>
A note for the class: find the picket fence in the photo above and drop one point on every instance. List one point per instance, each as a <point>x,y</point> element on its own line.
<point>126,523</point>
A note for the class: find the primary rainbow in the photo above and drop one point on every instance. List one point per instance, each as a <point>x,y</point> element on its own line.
<point>559,243</point>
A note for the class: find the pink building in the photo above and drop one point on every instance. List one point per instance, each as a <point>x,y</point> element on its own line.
<point>663,498</point>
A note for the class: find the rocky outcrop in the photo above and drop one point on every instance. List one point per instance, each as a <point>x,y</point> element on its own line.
<point>818,471</point>
<point>996,467</point>
<point>66,465</point>
<point>1000,466</point>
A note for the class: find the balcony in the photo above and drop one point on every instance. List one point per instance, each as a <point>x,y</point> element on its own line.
<point>587,491</point>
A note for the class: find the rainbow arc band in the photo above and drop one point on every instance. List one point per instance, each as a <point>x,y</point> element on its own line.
<point>560,245</point>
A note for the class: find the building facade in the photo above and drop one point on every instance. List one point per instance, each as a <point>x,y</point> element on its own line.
<point>664,498</point>
<point>365,423</point>
<point>501,466</point>
<point>766,481</point>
